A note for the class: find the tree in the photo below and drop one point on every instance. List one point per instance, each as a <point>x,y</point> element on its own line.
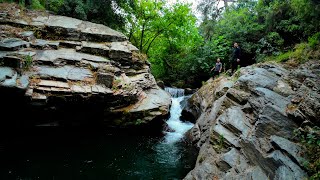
<point>152,19</point>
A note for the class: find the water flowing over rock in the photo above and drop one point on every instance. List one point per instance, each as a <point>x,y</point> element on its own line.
<point>245,127</point>
<point>55,64</point>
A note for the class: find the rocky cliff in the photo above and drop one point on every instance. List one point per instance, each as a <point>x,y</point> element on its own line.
<point>245,124</point>
<point>55,65</point>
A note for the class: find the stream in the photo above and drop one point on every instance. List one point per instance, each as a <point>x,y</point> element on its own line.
<point>59,155</point>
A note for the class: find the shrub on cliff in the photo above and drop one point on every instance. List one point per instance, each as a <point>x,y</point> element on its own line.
<point>310,138</point>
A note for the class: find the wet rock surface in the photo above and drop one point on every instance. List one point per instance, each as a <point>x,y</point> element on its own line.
<point>245,129</point>
<point>61,66</point>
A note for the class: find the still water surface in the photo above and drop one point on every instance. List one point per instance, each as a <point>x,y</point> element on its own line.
<point>80,155</point>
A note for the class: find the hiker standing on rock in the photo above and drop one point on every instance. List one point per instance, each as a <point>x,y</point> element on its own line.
<point>217,68</point>
<point>235,61</point>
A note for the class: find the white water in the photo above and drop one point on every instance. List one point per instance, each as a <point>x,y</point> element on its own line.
<point>178,127</point>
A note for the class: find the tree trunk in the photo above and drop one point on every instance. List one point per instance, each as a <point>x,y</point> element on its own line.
<point>142,36</point>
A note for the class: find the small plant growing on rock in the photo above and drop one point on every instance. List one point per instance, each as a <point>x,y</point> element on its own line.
<point>116,84</point>
<point>27,62</point>
<point>139,121</point>
<point>204,83</point>
<point>309,137</point>
<point>236,75</point>
<point>201,159</point>
<point>220,141</point>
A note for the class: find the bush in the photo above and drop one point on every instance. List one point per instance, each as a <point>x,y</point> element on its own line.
<point>309,137</point>
<point>27,62</point>
<point>73,8</point>
<point>283,57</point>
<point>54,5</point>
<point>301,53</point>
<point>269,45</point>
<point>36,5</point>
<point>314,40</point>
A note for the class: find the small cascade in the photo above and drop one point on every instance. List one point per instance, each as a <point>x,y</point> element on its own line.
<point>178,127</point>
<point>175,92</point>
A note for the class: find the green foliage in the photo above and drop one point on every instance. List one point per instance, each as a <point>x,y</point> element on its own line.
<point>139,122</point>
<point>220,141</point>
<point>183,53</point>
<point>27,62</point>
<point>105,12</point>
<point>309,137</point>
<point>236,75</point>
<point>264,28</point>
<point>204,83</point>
<point>284,57</point>
<point>168,35</point>
<point>116,83</point>
<point>37,5</point>
<point>73,8</point>
<point>314,40</point>
<point>53,5</point>
<point>301,53</point>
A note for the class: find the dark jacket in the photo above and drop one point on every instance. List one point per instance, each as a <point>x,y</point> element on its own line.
<point>236,54</point>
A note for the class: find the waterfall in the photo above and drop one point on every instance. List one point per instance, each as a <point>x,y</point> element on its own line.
<point>175,92</point>
<point>178,127</point>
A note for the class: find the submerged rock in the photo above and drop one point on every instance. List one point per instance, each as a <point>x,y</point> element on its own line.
<point>75,72</point>
<point>244,130</point>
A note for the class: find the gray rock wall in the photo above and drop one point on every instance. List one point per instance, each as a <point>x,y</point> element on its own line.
<point>245,124</point>
<point>59,62</point>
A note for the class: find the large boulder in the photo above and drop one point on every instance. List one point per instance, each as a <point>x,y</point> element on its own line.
<point>75,72</point>
<point>244,130</point>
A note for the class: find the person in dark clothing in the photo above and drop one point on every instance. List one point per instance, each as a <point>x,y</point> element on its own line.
<point>235,57</point>
<point>217,68</point>
<point>27,3</point>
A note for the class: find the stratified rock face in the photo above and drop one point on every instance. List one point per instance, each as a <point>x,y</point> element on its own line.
<point>58,62</point>
<point>244,129</point>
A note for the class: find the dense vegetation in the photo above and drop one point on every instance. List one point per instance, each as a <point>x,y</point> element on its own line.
<point>183,52</point>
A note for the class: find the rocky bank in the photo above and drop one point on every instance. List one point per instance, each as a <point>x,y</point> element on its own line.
<point>54,68</point>
<point>245,124</point>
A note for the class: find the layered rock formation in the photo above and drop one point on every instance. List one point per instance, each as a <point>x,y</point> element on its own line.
<point>60,64</point>
<point>245,124</point>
